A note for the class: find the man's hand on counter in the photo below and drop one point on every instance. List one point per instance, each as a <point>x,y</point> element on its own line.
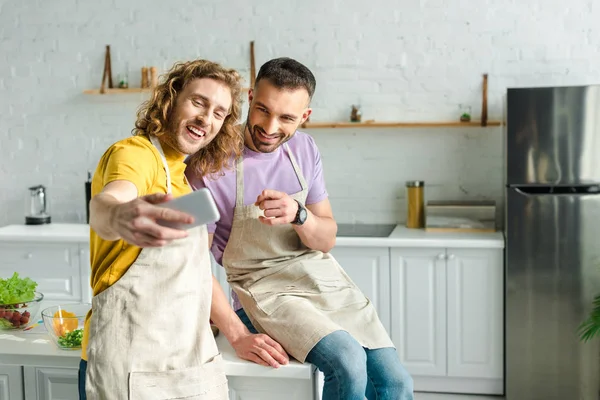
<point>261,349</point>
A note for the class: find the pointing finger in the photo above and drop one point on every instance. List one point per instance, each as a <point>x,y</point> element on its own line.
<point>270,194</point>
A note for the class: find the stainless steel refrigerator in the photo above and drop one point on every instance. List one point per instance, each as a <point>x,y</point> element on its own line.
<point>552,230</point>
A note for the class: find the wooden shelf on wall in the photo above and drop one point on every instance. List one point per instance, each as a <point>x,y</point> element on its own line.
<point>450,124</point>
<point>117,91</point>
<point>126,91</point>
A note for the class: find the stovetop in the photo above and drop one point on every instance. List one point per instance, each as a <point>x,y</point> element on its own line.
<point>365,230</point>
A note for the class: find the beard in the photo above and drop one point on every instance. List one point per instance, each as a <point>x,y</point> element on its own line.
<point>264,147</point>
<point>175,137</point>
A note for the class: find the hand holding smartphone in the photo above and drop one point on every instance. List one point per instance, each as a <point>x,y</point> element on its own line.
<point>199,204</point>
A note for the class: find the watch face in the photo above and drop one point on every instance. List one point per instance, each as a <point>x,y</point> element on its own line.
<point>303,215</point>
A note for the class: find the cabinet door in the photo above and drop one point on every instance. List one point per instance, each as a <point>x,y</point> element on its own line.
<point>54,266</point>
<point>85,271</point>
<point>11,382</point>
<point>252,388</point>
<point>475,313</point>
<point>43,383</point>
<point>369,268</point>
<point>221,276</point>
<point>419,309</point>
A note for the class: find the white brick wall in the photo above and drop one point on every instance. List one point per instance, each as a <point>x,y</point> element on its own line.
<point>404,60</point>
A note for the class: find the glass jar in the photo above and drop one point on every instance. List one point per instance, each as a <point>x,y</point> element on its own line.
<point>465,112</point>
<point>415,217</point>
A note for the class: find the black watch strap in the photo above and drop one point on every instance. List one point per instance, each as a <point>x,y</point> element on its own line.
<point>300,214</point>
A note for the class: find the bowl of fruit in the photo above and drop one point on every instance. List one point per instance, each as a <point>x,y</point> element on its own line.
<point>19,302</point>
<point>64,324</point>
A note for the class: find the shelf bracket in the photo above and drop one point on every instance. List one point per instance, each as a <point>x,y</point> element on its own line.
<point>107,72</point>
<point>484,110</point>
<point>252,66</point>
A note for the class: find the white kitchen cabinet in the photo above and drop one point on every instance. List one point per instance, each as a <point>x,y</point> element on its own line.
<point>44,383</point>
<point>241,388</point>
<point>11,382</point>
<point>418,302</point>
<point>447,317</point>
<point>221,276</point>
<point>369,268</point>
<point>60,269</point>
<point>475,313</point>
<point>62,384</point>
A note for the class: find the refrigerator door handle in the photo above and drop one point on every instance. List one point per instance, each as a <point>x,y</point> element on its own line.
<point>518,190</point>
<point>531,191</point>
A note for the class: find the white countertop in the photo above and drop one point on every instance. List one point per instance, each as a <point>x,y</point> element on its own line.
<point>405,237</point>
<point>37,349</point>
<point>400,237</point>
<point>55,232</point>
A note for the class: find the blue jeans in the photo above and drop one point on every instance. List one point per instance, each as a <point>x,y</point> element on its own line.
<point>352,371</point>
<point>81,376</point>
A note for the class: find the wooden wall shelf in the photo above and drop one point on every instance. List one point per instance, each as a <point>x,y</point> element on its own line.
<point>126,91</point>
<point>450,124</point>
<point>117,91</point>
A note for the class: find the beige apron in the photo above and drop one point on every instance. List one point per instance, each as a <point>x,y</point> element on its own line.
<point>150,336</point>
<point>294,294</point>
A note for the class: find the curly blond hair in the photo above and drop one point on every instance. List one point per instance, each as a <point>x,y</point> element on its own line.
<point>154,114</point>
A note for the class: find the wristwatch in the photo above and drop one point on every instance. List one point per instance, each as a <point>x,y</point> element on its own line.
<point>301,215</point>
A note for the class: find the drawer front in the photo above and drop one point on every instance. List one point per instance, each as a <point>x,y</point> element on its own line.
<point>54,266</point>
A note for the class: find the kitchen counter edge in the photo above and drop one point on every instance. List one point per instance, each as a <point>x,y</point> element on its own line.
<point>400,237</point>
<point>36,349</point>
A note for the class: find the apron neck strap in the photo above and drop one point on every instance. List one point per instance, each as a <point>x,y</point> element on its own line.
<point>158,146</point>
<point>239,169</point>
<point>299,174</point>
<point>239,182</point>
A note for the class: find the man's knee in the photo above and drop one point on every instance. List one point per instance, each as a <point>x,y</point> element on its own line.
<point>341,355</point>
<point>401,383</point>
<point>350,369</point>
<point>397,383</point>
<point>352,366</point>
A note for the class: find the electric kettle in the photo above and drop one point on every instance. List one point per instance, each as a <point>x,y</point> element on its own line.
<point>37,209</point>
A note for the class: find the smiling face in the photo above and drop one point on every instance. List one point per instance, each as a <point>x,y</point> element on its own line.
<point>198,115</point>
<point>274,115</point>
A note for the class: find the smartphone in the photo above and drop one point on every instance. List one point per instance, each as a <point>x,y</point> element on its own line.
<point>199,204</point>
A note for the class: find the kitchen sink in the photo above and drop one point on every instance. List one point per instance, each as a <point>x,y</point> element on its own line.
<point>365,230</point>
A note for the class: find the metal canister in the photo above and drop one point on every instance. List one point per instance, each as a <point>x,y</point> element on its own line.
<point>415,217</point>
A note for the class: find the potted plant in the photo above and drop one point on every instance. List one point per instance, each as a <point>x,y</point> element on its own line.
<point>590,328</point>
<point>465,113</point>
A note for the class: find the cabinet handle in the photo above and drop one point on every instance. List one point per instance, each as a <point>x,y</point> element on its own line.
<point>81,252</point>
<point>29,255</point>
<point>441,256</point>
<point>451,257</point>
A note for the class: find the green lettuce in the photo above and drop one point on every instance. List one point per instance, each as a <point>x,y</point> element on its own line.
<point>16,290</point>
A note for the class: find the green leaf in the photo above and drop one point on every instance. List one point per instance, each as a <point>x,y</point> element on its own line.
<point>590,328</point>
<point>71,339</point>
<point>4,323</point>
<point>16,290</point>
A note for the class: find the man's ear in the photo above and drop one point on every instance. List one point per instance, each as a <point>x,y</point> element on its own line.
<point>250,95</point>
<point>305,115</point>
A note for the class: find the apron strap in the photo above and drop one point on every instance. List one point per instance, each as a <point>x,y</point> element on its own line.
<point>299,174</point>
<point>239,181</point>
<point>158,146</point>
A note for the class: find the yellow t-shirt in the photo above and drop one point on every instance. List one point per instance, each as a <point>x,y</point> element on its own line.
<point>136,160</point>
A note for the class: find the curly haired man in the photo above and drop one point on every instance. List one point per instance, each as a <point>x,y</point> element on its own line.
<point>148,333</point>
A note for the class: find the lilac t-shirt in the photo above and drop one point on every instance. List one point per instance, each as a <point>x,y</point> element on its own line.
<point>263,171</point>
